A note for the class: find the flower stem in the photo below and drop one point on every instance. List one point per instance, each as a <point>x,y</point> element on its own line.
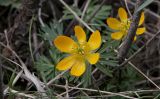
<point>131,33</point>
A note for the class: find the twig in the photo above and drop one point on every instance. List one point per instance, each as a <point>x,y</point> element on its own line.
<point>155,79</point>
<point>125,92</point>
<point>30,42</point>
<point>85,8</point>
<point>14,81</point>
<point>131,33</point>
<point>17,77</point>
<point>144,75</point>
<point>93,90</point>
<point>1,81</point>
<point>125,1</point>
<point>10,59</point>
<point>38,47</point>
<point>35,41</point>
<point>140,49</point>
<point>151,35</point>
<point>39,13</point>
<point>141,73</point>
<point>94,71</point>
<point>10,69</point>
<point>20,93</point>
<point>66,87</point>
<point>28,74</point>
<point>146,10</point>
<point>83,92</point>
<point>5,32</point>
<point>55,78</point>
<point>68,90</point>
<point>26,71</point>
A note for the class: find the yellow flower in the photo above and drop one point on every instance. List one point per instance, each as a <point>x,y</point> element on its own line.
<point>123,25</point>
<point>79,51</point>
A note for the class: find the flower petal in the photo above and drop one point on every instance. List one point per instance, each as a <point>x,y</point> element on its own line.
<point>135,38</point>
<point>113,23</point>
<point>94,40</point>
<point>117,35</point>
<point>122,14</point>
<point>140,30</point>
<point>64,43</point>
<point>78,68</point>
<point>80,34</point>
<point>66,63</point>
<point>93,58</point>
<point>141,19</point>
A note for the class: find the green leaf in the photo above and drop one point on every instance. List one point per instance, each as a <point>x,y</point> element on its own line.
<point>12,79</point>
<point>51,31</point>
<point>45,65</point>
<point>103,48</point>
<point>86,78</point>
<point>109,62</point>
<point>146,3</point>
<point>13,3</point>
<point>110,54</point>
<point>104,69</point>
<point>71,78</point>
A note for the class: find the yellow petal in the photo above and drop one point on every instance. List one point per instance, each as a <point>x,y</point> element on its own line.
<point>113,23</point>
<point>78,68</point>
<point>141,19</point>
<point>117,35</point>
<point>135,38</point>
<point>64,43</point>
<point>80,34</point>
<point>93,58</point>
<point>122,14</point>
<point>94,40</point>
<point>66,63</point>
<point>140,31</point>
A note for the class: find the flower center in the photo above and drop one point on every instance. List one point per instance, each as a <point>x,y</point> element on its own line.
<point>125,26</point>
<point>81,50</point>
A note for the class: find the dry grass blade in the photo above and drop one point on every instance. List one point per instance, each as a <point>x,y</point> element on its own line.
<point>144,75</point>
<point>93,90</point>
<point>55,78</point>
<point>28,74</point>
<point>76,16</point>
<point>128,61</point>
<point>21,94</point>
<point>140,49</point>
